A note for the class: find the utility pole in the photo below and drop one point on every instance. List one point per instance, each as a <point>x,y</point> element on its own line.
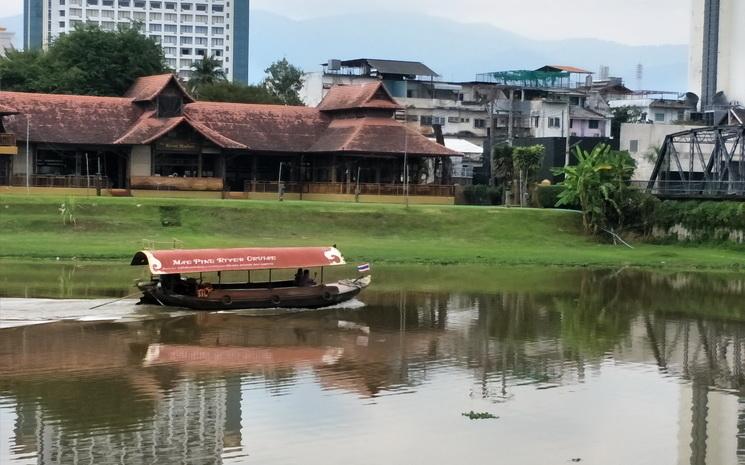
<point>511,119</point>
<point>567,123</point>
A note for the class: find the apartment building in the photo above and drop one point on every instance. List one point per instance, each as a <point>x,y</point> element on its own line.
<point>188,30</point>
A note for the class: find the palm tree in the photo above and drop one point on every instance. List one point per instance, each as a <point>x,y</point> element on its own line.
<point>206,71</point>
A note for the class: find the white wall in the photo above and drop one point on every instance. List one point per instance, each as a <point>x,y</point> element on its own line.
<point>648,137</point>
<point>544,111</point>
<point>140,163</point>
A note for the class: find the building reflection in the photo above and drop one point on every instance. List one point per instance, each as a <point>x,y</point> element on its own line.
<point>174,388</point>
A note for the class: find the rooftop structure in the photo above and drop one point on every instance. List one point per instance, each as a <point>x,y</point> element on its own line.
<point>6,41</point>
<point>188,31</point>
<point>545,77</point>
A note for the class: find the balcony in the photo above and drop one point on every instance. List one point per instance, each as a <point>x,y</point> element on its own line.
<point>8,144</point>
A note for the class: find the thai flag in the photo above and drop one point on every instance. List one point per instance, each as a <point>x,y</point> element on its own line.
<point>365,267</point>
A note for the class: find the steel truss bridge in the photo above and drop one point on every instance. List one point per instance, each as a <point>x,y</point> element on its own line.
<point>701,163</point>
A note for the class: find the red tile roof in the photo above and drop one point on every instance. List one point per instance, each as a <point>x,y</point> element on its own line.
<point>6,110</point>
<point>69,119</point>
<point>377,135</point>
<point>372,95</point>
<point>268,128</point>
<point>149,129</point>
<point>87,120</point>
<point>147,88</point>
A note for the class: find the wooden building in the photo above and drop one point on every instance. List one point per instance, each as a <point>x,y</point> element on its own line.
<point>157,137</point>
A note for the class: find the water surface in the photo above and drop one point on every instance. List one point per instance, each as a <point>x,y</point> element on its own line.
<point>605,366</point>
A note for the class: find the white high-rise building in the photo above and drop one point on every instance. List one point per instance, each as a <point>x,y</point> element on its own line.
<point>717,53</point>
<point>6,40</point>
<point>188,30</point>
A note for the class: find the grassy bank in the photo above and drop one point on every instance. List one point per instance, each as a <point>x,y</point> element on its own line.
<point>113,228</point>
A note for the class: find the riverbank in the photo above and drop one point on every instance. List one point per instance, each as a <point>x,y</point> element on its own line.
<point>100,228</point>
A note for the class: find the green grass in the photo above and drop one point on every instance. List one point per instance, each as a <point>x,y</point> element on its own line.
<point>114,228</point>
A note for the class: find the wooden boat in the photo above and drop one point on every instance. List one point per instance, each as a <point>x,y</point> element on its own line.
<point>177,278</point>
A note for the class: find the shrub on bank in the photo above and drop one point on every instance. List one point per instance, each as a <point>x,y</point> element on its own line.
<point>547,196</point>
<point>482,195</point>
<point>700,215</point>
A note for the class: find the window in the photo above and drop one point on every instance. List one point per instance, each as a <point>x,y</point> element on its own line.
<point>139,3</point>
<point>187,18</point>
<point>76,12</point>
<point>155,28</point>
<point>171,62</point>
<point>186,63</point>
<point>185,6</point>
<point>108,26</point>
<point>157,39</point>
<point>217,42</point>
<point>170,51</point>
<point>217,8</point>
<point>107,14</point>
<point>200,40</point>
<point>536,121</point>
<point>157,5</point>
<point>594,124</point>
<point>659,117</point>
<point>186,41</point>
<point>61,2</point>
<point>76,2</point>
<point>201,7</point>
<point>170,28</point>
<point>218,30</point>
<point>633,146</point>
<point>170,17</point>
<point>479,123</point>
<point>124,15</point>
<point>139,16</point>
<point>107,2</point>
<point>185,51</point>
<point>218,20</point>
<point>453,119</point>
<point>156,16</point>
<point>170,6</point>
<point>200,52</point>
<point>92,2</point>
<point>681,115</point>
<point>62,24</point>
<point>201,19</point>
<point>187,29</point>
<point>554,122</point>
<point>169,40</point>
<point>62,13</point>
<point>93,13</point>
<point>217,53</point>
<point>123,3</point>
<point>201,30</point>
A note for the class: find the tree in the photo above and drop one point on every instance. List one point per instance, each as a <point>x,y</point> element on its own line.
<point>206,71</point>
<point>87,61</point>
<point>224,91</point>
<point>526,160</point>
<point>284,81</point>
<point>624,114</point>
<point>598,183</point>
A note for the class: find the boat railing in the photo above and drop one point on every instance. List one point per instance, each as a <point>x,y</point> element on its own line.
<point>151,244</point>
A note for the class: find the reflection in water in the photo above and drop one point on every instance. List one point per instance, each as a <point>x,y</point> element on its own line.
<point>653,359</point>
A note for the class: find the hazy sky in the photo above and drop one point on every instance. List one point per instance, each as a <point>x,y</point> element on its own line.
<point>626,21</point>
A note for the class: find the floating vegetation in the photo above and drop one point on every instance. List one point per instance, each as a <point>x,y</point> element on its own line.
<point>479,415</point>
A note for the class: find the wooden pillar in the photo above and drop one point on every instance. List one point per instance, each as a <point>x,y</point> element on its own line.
<point>333,168</point>
<point>377,171</point>
<point>199,165</point>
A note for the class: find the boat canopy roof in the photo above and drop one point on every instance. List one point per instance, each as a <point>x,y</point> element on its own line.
<point>208,260</point>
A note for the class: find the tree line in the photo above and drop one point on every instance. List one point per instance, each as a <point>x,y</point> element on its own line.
<point>91,61</point>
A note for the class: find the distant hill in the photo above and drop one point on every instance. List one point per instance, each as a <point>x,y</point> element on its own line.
<point>456,50</point>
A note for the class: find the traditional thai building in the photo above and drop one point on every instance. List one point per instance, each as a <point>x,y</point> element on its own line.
<point>157,137</point>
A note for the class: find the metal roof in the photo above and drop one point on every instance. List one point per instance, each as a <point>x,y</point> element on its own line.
<point>408,68</point>
<point>566,69</point>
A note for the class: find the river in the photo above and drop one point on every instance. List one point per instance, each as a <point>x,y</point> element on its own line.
<point>431,365</point>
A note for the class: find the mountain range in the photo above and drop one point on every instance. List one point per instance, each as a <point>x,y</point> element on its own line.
<point>457,51</point>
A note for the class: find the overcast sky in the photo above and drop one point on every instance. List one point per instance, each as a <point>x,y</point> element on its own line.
<point>627,21</point>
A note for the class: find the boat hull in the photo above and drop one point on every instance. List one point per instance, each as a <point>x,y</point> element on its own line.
<point>311,297</point>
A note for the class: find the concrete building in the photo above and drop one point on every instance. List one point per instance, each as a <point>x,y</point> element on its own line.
<point>643,142</point>
<point>717,60</point>
<point>6,41</point>
<point>188,30</point>
<point>658,107</point>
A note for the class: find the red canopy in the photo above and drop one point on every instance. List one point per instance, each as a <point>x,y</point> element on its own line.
<point>206,260</point>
